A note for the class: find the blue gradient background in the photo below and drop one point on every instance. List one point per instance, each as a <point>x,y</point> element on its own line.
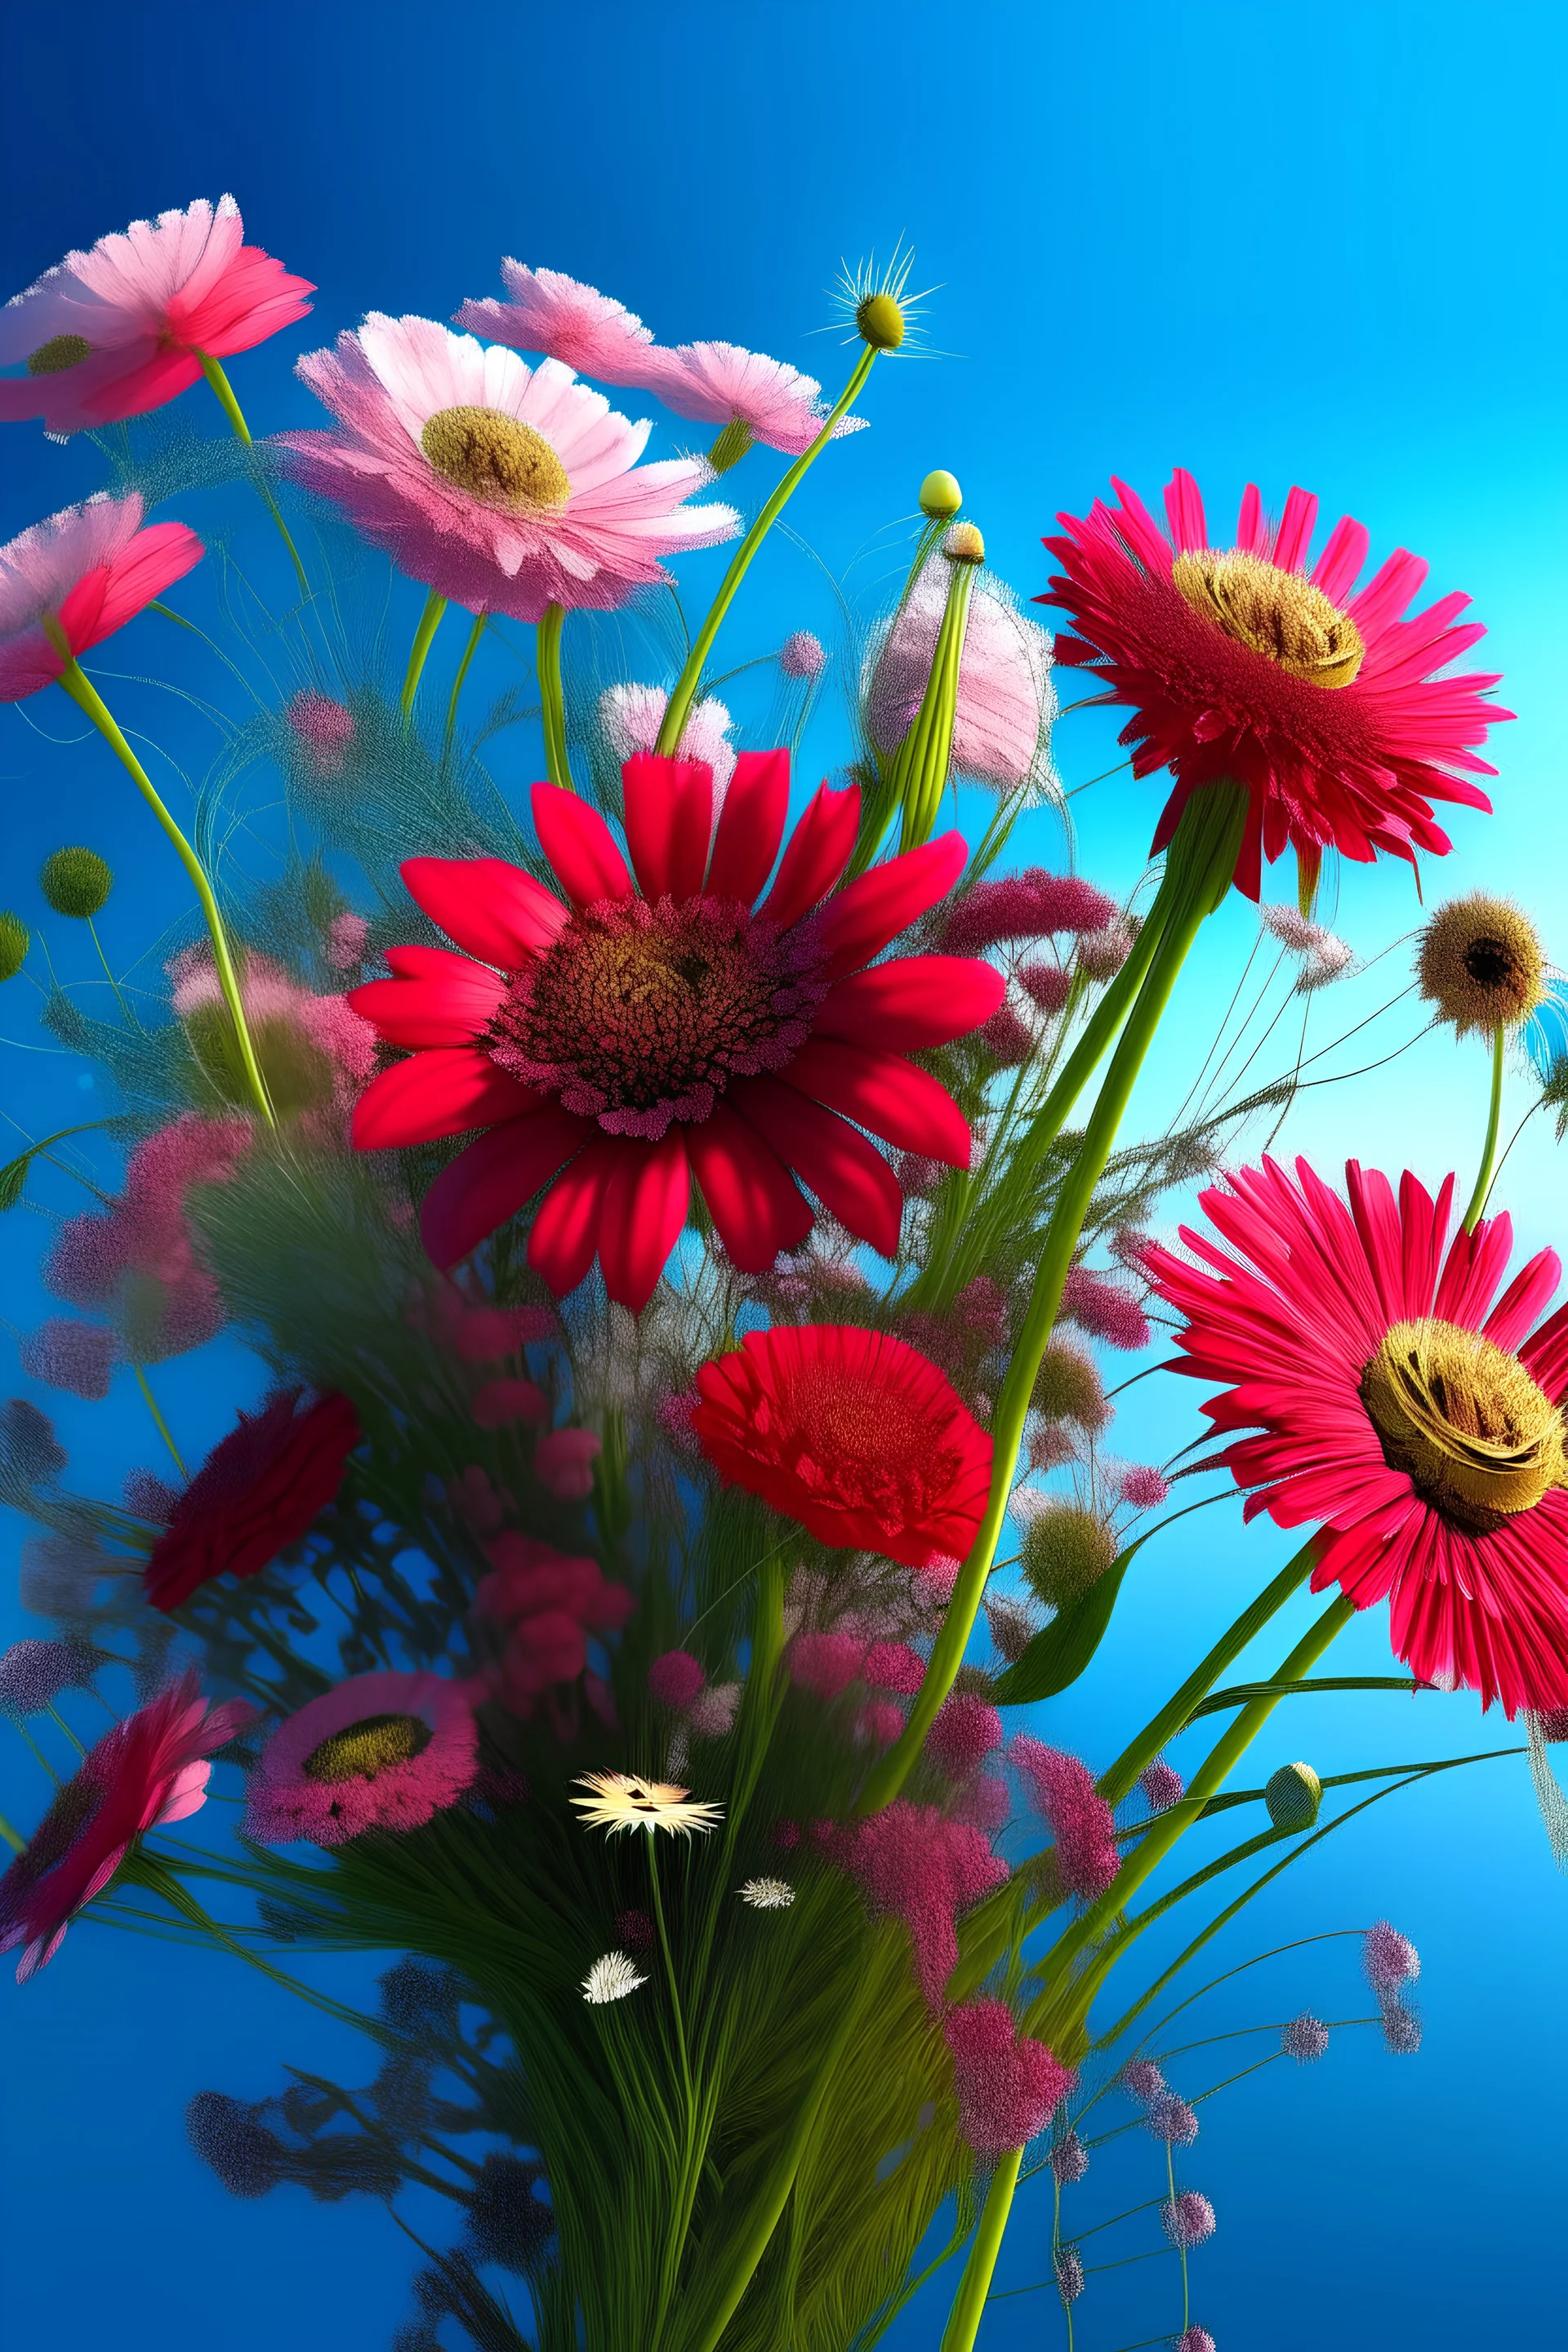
<point>1262,245</point>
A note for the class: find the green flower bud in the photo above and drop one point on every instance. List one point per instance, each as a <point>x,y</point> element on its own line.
<point>1065,1551</point>
<point>880,320</point>
<point>941,497</point>
<point>1293,1796</point>
<point>15,937</point>
<point>76,882</point>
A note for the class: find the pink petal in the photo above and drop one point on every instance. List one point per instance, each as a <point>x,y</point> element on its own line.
<point>860,919</point>
<point>669,821</point>
<point>564,1237</point>
<point>645,1207</point>
<point>848,1175</point>
<point>580,845</point>
<point>912,1002</point>
<point>497,1173</point>
<point>891,1097</point>
<point>437,999</point>
<point>819,849</point>
<point>753,1200</point>
<point>751,826</point>
<point>444,1091</point>
<point>492,908</point>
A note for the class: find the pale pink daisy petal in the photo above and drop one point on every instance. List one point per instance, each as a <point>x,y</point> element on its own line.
<point>1007,701</point>
<point>720,384</point>
<point>85,572</point>
<point>549,312</point>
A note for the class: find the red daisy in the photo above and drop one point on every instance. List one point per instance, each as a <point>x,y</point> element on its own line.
<point>1239,662</point>
<point>854,1433</point>
<point>149,1769</point>
<point>1401,1408</point>
<point>621,1040</point>
<point>259,1490</point>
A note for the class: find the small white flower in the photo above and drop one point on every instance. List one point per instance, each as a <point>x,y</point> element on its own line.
<point>611,1978</point>
<point>768,1893</point>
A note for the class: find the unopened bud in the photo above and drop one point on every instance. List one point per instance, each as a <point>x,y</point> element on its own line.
<point>880,320</point>
<point>13,941</point>
<point>941,496</point>
<point>964,544</point>
<point>1293,1796</point>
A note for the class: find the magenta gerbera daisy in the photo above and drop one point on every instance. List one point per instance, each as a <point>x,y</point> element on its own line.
<point>663,1023</point>
<point>380,1751</point>
<point>1240,662</point>
<point>502,487</point>
<point>1403,1405</point>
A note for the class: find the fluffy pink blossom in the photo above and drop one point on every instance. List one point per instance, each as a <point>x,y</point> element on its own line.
<point>324,730</point>
<point>721,385</point>
<point>1142,1485</point>
<point>498,1404</point>
<point>1389,1959</point>
<point>825,1663</point>
<point>1008,2085</point>
<point>380,1751</point>
<point>1008,1040</point>
<point>548,312</point>
<point>1062,1790</point>
<point>1188,2219</point>
<point>1129,1247</point>
<point>482,1506</point>
<point>1069,2159</point>
<point>1007,701</point>
<point>272,999</point>
<point>965,1732</point>
<point>1194,2339</point>
<point>77,1356</point>
<point>1105,1309</point>
<point>72,579</point>
<point>986,1804</point>
<point>1170,2118</point>
<point>673,1414</point>
<point>1304,2037</point>
<point>893,1666</point>
<point>1143,2080</point>
<point>503,487</point>
<point>879,1723</point>
<point>346,936</point>
<point>1163,1786</point>
<point>913,1864</point>
<point>563,1463</point>
<point>1102,953</point>
<point>676,1680</point>
<point>547,1603</point>
<point>120,329</point>
<point>802,656</point>
<point>711,1715</point>
<point>141,1253</point>
<point>1048,1448</point>
<point>990,912</point>
<point>631,716</point>
<point>1048,985</point>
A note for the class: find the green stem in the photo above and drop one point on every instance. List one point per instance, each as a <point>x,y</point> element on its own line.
<point>424,637</point>
<point>16,1843</point>
<point>1489,1149</point>
<point>551,698</point>
<point>212,371</point>
<point>159,1423</point>
<point>131,1020</point>
<point>685,690</point>
<point>927,750</point>
<point>1204,853</point>
<point>668,1969</point>
<point>969,2302</point>
<point>470,650</point>
<point>85,695</point>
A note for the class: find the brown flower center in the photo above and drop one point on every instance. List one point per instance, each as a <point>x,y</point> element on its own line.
<point>1481,963</point>
<point>362,1749</point>
<point>1478,1438</point>
<point>61,351</point>
<point>496,458</point>
<point>1275,613</point>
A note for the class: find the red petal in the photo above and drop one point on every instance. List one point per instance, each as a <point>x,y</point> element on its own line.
<point>580,845</point>
<point>751,826</point>
<point>492,908</point>
<point>644,1206</point>
<point>892,1098</point>
<point>848,1175</point>
<point>859,922</point>
<point>438,999</point>
<point>670,822</point>
<point>116,592</point>
<point>564,1237</point>
<point>443,1092</point>
<point>753,1200</point>
<point>819,851</point>
<point>494,1177</point>
<point>913,1001</point>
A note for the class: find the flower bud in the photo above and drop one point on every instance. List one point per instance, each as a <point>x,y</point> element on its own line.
<point>941,497</point>
<point>1064,1551</point>
<point>76,882</point>
<point>1293,1796</point>
<point>880,320</point>
<point>964,544</point>
<point>15,937</point>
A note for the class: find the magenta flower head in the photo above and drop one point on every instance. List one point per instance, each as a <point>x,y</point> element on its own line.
<point>1103,1308</point>
<point>121,328</point>
<point>914,1865</point>
<point>825,1663</point>
<point>1144,1486</point>
<point>965,1732</point>
<point>676,1680</point>
<point>380,1751</point>
<point>1068,2264</point>
<point>801,654</point>
<point>1171,2120</point>
<point>1192,2339</point>
<point>1069,2159</point>
<point>1163,1786</point>
<point>1188,2219</point>
<point>1008,2086</point>
<point>323,729</point>
<point>503,487</point>
<point>1389,1960</point>
<point>563,1463</point>
<point>1062,1789</point>
<point>1007,701</point>
<point>1143,2080</point>
<point>70,582</point>
<point>32,1674</point>
<point>1304,2037</point>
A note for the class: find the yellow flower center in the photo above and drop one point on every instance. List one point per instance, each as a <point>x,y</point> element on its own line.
<point>362,1749</point>
<point>61,351</point>
<point>1275,613</point>
<point>1478,1438</point>
<point>496,458</point>
<point>880,320</point>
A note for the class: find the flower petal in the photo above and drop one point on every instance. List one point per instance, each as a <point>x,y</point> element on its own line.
<point>890,1096</point>
<point>443,1092</point>
<point>580,845</point>
<point>912,1002</point>
<point>670,823</point>
<point>754,1201</point>
<point>563,1239</point>
<point>859,920</point>
<point>751,826</point>
<point>436,999</point>
<point>494,1177</point>
<point>848,1175</point>
<point>819,849</point>
<point>492,908</point>
<point>645,1207</point>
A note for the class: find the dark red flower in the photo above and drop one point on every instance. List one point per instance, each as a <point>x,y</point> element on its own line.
<point>259,1490</point>
<point>633,1035</point>
<point>854,1433</point>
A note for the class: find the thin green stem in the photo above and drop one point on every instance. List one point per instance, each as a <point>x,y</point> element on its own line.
<point>470,650</point>
<point>212,371</point>
<point>669,1968</point>
<point>969,2302</point>
<point>685,690</point>
<point>1181,2248</point>
<point>131,1019</point>
<point>85,695</point>
<point>423,638</point>
<point>159,1423</point>
<point>12,1840</point>
<point>1489,1149</point>
<point>61,1724</point>
<point>552,697</point>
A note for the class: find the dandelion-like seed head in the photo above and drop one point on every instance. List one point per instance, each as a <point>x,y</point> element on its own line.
<point>1304,2037</point>
<point>625,1800</point>
<point>768,1893</point>
<point>611,1978</point>
<point>76,882</point>
<point>1481,963</point>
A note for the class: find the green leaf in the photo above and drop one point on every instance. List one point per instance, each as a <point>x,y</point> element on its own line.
<point>1243,1694</point>
<point>14,1180</point>
<point>1057,1656</point>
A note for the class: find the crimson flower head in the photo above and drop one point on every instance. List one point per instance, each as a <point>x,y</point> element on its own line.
<point>72,579</point>
<point>147,1770</point>
<point>662,1022</point>
<point>1401,1405</point>
<point>854,1433</point>
<point>121,328</point>
<point>1239,662</point>
<point>259,1490</point>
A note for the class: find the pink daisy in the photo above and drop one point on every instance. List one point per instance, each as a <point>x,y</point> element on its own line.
<point>147,1770</point>
<point>548,312</point>
<point>380,1751</point>
<point>1402,1408</point>
<point>663,1021</point>
<point>123,329</point>
<point>1007,701</point>
<point>1239,662</point>
<point>503,487</point>
<point>71,580</point>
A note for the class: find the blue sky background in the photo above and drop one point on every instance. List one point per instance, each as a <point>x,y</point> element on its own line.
<point>1263,246</point>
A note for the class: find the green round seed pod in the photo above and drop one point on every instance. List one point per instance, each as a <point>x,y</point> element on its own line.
<point>941,497</point>
<point>880,321</point>
<point>1065,1551</point>
<point>14,939</point>
<point>76,882</point>
<point>1293,1796</point>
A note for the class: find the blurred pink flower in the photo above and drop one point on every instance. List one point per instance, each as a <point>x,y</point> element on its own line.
<point>346,936</point>
<point>325,727</point>
<point>1083,1823</point>
<point>380,1751</point>
<point>878,1723</point>
<point>1048,985</point>
<point>1006,702</point>
<point>913,1864</point>
<point>1008,2085</point>
<point>965,1732</point>
<point>72,579</point>
<point>501,1403</point>
<point>563,1463</point>
<point>1105,1309</point>
<point>801,655</point>
<point>77,1356</point>
<point>139,1258</point>
<point>676,1680</point>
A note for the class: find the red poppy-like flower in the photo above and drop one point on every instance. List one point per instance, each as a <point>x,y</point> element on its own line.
<point>634,1034</point>
<point>854,1433</point>
<point>149,1769</point>
<point>1239,662</point>
<point>258,1491</point>
<point>1419,1422</point>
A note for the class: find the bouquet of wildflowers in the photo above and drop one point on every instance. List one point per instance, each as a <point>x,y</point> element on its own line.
<point>683,1221</point>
